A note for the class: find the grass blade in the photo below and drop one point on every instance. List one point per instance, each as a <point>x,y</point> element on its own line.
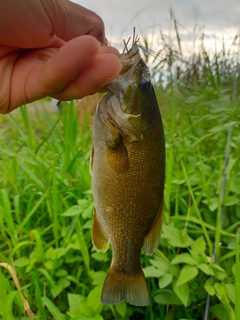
<point>57,315</point>
<point>7,314</point>
<point>28,126</point>
<point>31,213</point>
<point>237,278</point>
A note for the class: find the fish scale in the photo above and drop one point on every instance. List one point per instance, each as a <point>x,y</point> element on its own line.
<point>128,169</point>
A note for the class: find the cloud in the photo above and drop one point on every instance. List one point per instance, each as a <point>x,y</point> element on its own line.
<point>217,17</point>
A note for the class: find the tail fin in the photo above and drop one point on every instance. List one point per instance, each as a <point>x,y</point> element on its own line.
<point>130,288</point>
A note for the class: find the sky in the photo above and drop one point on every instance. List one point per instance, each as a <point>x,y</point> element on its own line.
<point>217,18</point>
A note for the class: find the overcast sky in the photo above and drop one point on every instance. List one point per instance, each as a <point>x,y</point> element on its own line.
<point>218,17</point>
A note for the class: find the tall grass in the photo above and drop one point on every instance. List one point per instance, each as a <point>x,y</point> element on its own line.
<point>194,65</point>
<point>46,203</point>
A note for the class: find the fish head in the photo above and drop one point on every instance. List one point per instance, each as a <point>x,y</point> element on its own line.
<point>131,96</point>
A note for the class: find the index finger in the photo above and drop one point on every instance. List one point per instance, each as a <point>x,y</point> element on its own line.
<point>79,21</point>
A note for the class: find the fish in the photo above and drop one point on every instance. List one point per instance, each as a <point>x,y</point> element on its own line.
<point>128,171</point>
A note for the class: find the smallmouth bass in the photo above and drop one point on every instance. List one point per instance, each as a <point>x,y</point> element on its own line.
<point>128,169</point>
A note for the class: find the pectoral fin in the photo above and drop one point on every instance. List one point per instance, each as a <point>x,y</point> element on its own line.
<point>118,159</point>
<point>99,239</point>
<point>117,154</point>
<point>152,239</point>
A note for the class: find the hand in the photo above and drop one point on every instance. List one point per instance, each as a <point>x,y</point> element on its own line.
<point>51,48</point>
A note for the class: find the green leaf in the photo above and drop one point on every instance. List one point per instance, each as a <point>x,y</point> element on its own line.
<point>199,245</point>
<point>196,256</point>
<point>83,244</point>
<point>73,211</point>
<point>84,309</point>
<point>63,282</point>
<point>152,272</point>
<point>94,299</point>
<point>88,225</point>
<point>174,270</point>
<point>165,280</point>
<point>208,286</point>
<point>38,250</point>
<point>56,290</point>
<point>74,301</point>
<point>97,317</point>
<point>88,212</point>
<point>230,165</point>
<point>186,274</point>
<point>121,308</point>
<point>83,203</point>
<point>230,290</point>
<point>21,262</point>
<point>99,277</point>
<point>47,276</point>
<point>235,184</point>
<point>219,272</point>
<point>206,269</point>
<point>160,263</point>
<point>57,315</point>
<point>219,311</point>
<point>176,237</point>
<point>75,316</point>
<point>231,200</point>
<point>182,292</point>
<point>222,296</point>
<point>212,203</point>
<point>217,267</point>
<point>61,273</point>
<point>184,258</point>
<point>100,256</point>
<point>167,297</point>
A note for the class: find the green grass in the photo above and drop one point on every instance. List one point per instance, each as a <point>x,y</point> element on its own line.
<point>46,208</point>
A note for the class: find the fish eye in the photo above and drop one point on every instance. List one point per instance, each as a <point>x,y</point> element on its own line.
<point>144,85</point>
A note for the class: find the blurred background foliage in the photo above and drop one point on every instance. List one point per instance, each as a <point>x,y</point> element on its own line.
<point>46,203</point>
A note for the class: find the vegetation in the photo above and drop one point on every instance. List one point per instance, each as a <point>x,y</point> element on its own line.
<point>46,203</point>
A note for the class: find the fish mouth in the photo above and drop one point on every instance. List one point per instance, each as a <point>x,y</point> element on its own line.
<point>130,53</point>
<point>129,61</point>
<point>128,77</point>
<point>124,107</point>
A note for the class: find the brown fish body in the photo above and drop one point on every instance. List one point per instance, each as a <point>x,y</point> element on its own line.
<point>128,167</point>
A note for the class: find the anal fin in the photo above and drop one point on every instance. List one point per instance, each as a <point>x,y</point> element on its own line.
<point>152,239</point>
<point>100,241</point>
